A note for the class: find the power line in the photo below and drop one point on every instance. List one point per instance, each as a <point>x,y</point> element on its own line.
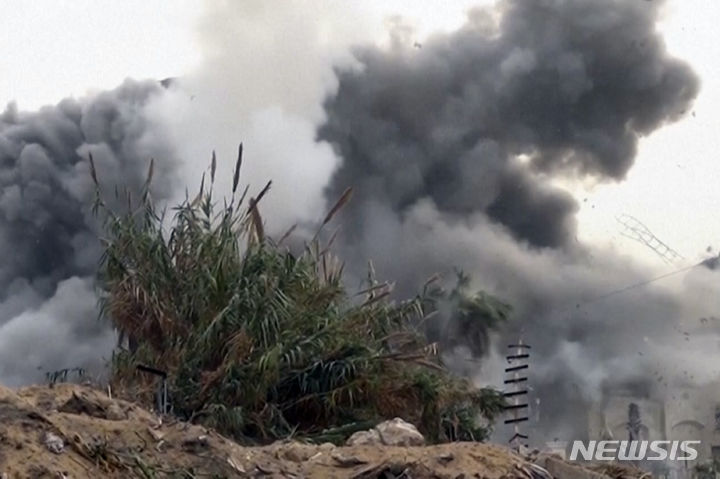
<point>627,288</point>
<point>643,283</point>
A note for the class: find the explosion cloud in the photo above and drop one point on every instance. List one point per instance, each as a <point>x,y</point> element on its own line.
<point>453,149</point>
<point>48,316</point>
<point>569,85</point>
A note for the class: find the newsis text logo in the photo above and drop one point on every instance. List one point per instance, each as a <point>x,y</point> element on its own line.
<point>634,450</point>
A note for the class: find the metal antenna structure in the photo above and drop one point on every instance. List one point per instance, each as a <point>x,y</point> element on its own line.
<point>635,230</point>
<point>517,391</point>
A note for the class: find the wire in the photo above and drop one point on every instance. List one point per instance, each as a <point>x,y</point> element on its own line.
<point>624,289</point>
<point>644,283</point>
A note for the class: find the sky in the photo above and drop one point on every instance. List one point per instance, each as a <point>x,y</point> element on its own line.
<point>54,49</point>
<point>672,185</point>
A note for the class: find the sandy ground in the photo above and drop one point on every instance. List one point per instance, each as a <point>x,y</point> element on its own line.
<point>94,436</point>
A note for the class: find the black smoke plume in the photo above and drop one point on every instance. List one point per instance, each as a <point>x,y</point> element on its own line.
<point>572,85</point>
<point>48,234</point>
<point>452,149</point>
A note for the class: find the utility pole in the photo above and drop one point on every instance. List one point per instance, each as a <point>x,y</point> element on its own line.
<point>516,384</point>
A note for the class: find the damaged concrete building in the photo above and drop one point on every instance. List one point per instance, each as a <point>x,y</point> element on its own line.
<point>685,413</point>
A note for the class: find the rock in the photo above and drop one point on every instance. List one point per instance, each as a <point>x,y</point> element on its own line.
<point>54,443</point>
<point>364,438</point>
<point>388,433</point>
<point>399,433</point>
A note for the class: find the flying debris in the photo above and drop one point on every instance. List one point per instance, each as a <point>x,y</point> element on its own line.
<point>168,82</point>
<point>635,230</point>
<point>712,263</point>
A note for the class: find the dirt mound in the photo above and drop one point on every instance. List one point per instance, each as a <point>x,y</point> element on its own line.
<point>70,431</point>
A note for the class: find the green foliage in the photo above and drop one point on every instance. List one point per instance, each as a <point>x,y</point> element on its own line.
<point>264,344</point>
<point>470,316</point>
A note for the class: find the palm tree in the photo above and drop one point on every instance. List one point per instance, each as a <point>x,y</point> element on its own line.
<point>467,317</point>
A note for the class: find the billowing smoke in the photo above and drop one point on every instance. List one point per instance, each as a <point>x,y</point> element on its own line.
<point>264,72</point>
<point>49,236</point>
<point>453,148</point>
<point>568,85</point>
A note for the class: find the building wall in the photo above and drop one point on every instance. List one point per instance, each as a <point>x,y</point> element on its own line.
<point>610,421</point>
<point>687,414</point>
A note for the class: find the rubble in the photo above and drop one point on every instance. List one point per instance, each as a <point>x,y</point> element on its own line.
<point>54,443</point>
<point>395,432</point>
<point>399,433</point>
<point>364,438</point>
<point>71,431</point>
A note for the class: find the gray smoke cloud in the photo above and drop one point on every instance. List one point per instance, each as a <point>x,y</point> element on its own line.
<point>452,150</point>
<point>571,85</point>
<point>263,74</point>
<point>48,314</point>
<point>266,69</point>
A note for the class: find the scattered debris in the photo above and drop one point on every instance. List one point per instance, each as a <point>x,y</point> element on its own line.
<point>156,435</point>
<point>54,443</point>
<point>76,444</point>
<point>82,404</point>
<point>362,438</point>
<point>237,467</point>
<point>347,461</point>
<point>196,445</point>
<point>395,432</point>
<point>560,469</point>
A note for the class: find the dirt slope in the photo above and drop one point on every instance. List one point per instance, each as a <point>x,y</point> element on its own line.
<point>94,436</point>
